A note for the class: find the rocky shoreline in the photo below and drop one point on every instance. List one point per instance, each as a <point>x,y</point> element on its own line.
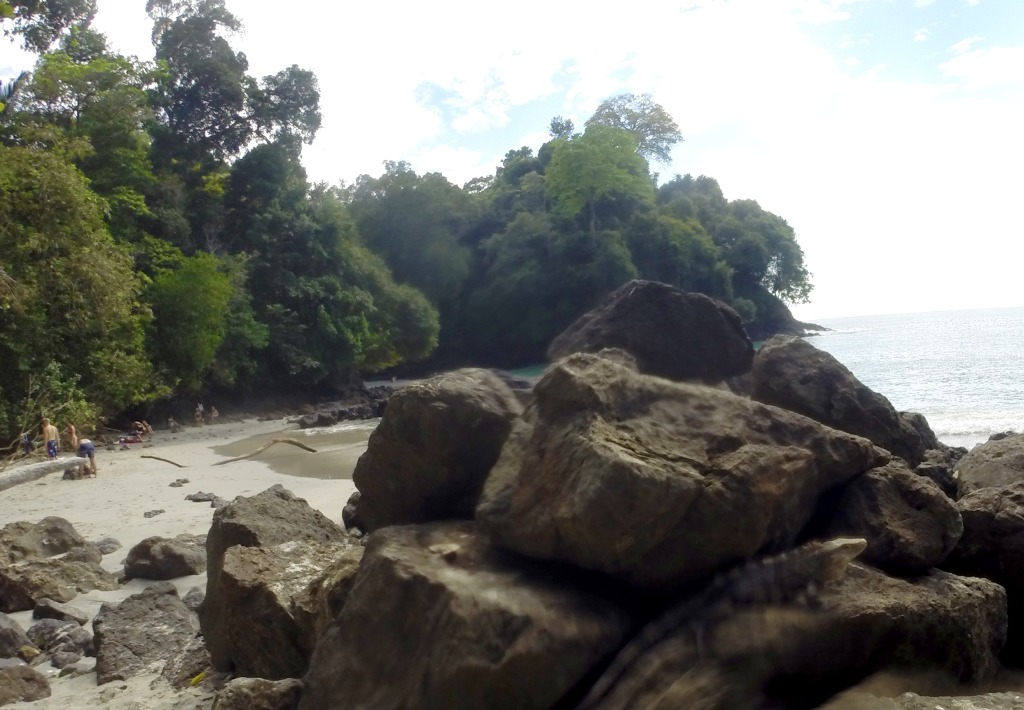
<point>504,546</point>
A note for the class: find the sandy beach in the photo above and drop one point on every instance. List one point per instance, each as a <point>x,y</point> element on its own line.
<point>130,485</point>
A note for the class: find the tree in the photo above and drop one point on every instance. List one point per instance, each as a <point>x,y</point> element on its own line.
<point>651,126</point>
<point>561,128</point>
<point>76,299</point>
<point>40,23</point>
<point>601,164</point>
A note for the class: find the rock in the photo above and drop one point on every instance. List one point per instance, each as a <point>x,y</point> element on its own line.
<point>438,439</point>
<point>671,333</point>
<point>181,670</point>
<point>193,599</point>
<point>350,513</point>
<point>787,656</point>
<point>49,609</point>
<point>50,536</point>
<point>259,694</point>
<point>87,553</point>
<point>63,659</point>
<point>50,635</point>
<point>163,558</point>
<point>992,546</point>
<point>656,482</point>
<point>153,513</point>
<point>909,523</point>
<point>461,624</point>
<point>22,683</point>
<point>178,483</point>
<point>994,464</point>
<point>107,545</point>
<point>76,471</point>
<point>22,584</point>
<point>250,620</point>
<point>273,517</point>
<point>793,374</point>
<point>142,634</point>
<point>215,501</point>
<point>12,637</point>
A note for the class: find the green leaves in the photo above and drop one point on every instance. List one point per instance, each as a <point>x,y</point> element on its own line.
<point>652,128</point>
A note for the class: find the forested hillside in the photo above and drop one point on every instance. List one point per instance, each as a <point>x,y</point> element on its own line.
<point>158,234</point>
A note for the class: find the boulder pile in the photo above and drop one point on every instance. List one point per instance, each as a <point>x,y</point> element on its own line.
<point>504,551</point>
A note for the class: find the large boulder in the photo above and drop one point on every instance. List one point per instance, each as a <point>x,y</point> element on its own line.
<point>656,482</point>
<point>435,445</point>
<point>993,464</point>
<point>788,656</point>
<point>252,622</point>
<point>259,694</point>
<point>441,618</point>
<point>49,537</point>
<point>992,546</point>
<point>273,517</point>
<point>142,634</point>
<point>166,558</point>
<point>909,523</point>
<point>22,683</point>
<point>24,583</point>
<point>671,333</point>
<point>793,374</point>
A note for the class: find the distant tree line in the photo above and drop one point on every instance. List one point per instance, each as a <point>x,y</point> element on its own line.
<point>158,234</point>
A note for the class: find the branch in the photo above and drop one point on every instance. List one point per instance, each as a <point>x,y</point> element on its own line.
<point>158,458</point>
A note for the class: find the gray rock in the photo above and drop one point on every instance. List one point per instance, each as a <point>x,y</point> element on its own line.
<point>50,536</point>
<point>163,558</point>
<point>909,523</point>
<point>193,599</point>
<point>63,659</point>
<point>994,464</point>
<point>153,513</point>
<point>793,374</point>
<point>12,637</point>
<point>24,583</point>
<point>260,620</point>
<point>49,609</point>
<point>107,545</point>
<point>656,482</point>
<point>436,443</point>
<point>461,624</point>
<point>142,634</point>
<point>22,683</point>
<point>259,694</point>
<point>671,333</point>
<point>52,635</point>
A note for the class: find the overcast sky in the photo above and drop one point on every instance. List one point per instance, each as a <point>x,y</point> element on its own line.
<point>887,132</point>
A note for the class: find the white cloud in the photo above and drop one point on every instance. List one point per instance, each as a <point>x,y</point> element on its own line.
<point>922,34</point>
<point>986,68</point>
<point>964,45</point>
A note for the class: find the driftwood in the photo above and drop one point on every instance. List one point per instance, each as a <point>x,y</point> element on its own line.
<point>158,458</point>
<point>263,448</point>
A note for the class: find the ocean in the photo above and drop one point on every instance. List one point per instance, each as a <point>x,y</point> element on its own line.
<point>963,370</point>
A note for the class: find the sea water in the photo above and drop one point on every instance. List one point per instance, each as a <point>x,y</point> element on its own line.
<point>963,370</point>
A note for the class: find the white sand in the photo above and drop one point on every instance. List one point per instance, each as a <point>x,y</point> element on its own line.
<point>128,485</point>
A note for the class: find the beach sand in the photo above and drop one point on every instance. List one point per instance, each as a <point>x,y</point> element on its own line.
<point>128,485</point>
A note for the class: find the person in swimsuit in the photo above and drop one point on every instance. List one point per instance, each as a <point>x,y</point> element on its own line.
<point>87,450</point>
<point>51,437</point>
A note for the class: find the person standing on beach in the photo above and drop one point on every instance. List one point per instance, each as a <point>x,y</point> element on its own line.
<point>87,450</point>
<point>72,436</point>
<point>51,437</point>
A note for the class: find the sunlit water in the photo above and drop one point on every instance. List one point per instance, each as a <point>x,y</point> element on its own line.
<point>963,370</point>
<point>337,449</point>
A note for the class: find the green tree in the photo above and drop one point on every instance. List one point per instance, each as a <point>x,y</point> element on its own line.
<point>678,252</point>
<point>601,164</point>
<point>75,299</point>
<point>651,126</point>
<point>40,23</point>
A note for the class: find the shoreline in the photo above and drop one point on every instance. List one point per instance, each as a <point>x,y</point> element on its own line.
<point>114,503</point>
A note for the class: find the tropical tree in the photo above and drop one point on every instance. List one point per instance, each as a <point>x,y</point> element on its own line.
<point>651,126</point>
<point>40,23</point>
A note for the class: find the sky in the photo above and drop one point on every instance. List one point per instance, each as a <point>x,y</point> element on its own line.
<point>888,133</point>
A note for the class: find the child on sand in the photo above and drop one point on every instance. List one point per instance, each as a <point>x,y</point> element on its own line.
<point>50,436</point>
<point>72,437</point>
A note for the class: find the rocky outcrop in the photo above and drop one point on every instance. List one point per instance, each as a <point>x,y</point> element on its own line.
<point>274,517</point>
<point>437,441</point>
<point>23,583</point>
<point>142,634</point>
<point>909,523</point>
<point>21,683</point>
<point>655,482</point>
<point>252,621</point>
<point>671,333</point>
<point>787,656</point>
<point>992,546</point>
<point>166,558</point>
<point>994,464</point>
<point>49,537</point>
<point>793,374</point>
<point>259,694</point>
<point>440,618</point>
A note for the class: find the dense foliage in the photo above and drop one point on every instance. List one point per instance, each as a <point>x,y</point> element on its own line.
<point>159,237</point>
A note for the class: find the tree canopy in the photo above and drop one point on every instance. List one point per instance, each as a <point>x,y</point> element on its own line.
<point>651,126</point>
